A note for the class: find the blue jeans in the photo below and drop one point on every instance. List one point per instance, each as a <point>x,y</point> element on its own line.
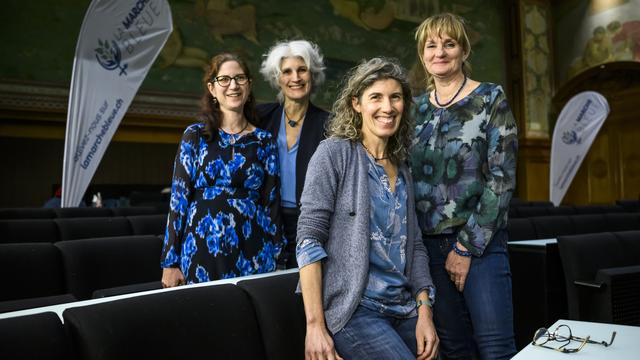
<point>477,322</point>
<point>372,335</point>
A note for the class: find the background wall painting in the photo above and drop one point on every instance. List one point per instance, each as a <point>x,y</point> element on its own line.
<point>589,33</point>
<point>39,43</point>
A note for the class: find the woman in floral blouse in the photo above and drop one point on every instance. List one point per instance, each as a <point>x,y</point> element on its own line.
<point>224,216</point>
<point>464,165</point>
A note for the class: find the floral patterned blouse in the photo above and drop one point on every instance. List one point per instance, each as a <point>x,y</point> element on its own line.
<point>463,162</point>
<point>224,214</point>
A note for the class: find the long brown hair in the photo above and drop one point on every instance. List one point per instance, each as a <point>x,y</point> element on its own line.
<point>210,113</point>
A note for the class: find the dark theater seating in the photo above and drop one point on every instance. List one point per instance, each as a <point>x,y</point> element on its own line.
<point>30,270</point>
<point>552,226</point>
<point>28,230</point>
<point>27,213</point>
<point>99,263</point>
<point>602,276</point>
<point>39,336</point>
<point>76,212</point>
<point>134,210</point>
<point>521,229</point>
<point>127,289</point>
<point>148,224</point>
<point>217,322</point>
<point>622,221</point>
<point>280,313</point>
<point>589,223</point>
<point>84,228</point>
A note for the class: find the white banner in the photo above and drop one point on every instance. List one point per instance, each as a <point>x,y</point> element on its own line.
<point>576,128</point>
<point>119,41</point>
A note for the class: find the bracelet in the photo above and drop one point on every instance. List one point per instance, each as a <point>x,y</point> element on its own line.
<point>465,253</point>
<point>423,302</point>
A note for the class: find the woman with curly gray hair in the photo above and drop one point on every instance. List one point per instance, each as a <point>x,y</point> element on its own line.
<point>295,68</point>
<point>364,271</point>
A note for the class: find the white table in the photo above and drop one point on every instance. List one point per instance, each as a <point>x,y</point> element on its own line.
<point>625,346</point>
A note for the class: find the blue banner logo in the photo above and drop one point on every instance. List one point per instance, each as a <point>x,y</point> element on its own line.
<point>110,57</point>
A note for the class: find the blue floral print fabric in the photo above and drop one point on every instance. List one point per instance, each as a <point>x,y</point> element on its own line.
<point>463,162</point>
<point>224,213</point>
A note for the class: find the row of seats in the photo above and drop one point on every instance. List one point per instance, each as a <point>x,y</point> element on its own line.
<point>74,212</point>
<point>259,318</point>
<point>602,276</point>
<point>40,274</point>
<point>529,211</point>
<point>53,230</point>
<point>546,227</point>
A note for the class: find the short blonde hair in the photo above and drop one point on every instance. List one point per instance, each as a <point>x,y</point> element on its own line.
<point>437,25</point>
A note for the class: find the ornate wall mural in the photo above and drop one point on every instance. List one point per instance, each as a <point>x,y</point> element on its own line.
<point>41,41</point>
<point>590,33</point>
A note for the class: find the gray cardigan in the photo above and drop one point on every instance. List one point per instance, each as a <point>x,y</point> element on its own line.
<point>335,212</point>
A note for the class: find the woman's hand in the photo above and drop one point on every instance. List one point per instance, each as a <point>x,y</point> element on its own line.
<point>458,267</point>
<point>319,344</point>
<point>426,336</point>
<point>172,277</point>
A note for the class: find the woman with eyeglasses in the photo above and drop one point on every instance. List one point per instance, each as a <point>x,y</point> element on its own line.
<point>224,216</point>
<point>296,70</point>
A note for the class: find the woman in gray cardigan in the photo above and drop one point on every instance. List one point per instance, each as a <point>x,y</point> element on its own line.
<point>364,271</point>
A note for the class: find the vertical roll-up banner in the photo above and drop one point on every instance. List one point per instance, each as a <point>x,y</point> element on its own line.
<point>576,128</point>
<point>119,41</point>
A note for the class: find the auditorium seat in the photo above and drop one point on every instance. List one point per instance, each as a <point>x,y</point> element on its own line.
<point>28,230</point>
<point>521,229</point>
<point>548,227</point>
<point>39,336</point>
<point>610,209</point>
<point>280,313</point>
<point>134,210</point>
<point>602,275</point>
<point>30,270</point>
<point>36,302</point>
<point>589,223</point>
<point>531,211</point>
<point>99,263</point>
<point>588,209</point>
<point>629,205</point>
<point>194,323</point>
<point>622,221</point>
<point>27,213</point>
<point>148,224</point>
<point>561,210</point>
<point>76,212</point>
<point>127,289</point>
<point>541,203</point>
<point>84,228</point>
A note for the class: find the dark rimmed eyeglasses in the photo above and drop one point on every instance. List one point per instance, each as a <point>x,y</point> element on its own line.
<point>225,80</point>
<point>562,334</point>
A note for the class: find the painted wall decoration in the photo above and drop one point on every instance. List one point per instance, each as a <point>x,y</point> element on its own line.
<point>590,33</point>
<point>537,68</point>
<point>39,43</point>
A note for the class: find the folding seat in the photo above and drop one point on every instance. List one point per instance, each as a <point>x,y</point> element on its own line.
<point>588,209</point>
<point>99,263</point>
<point>561,210</point>
<point>32,276</point>
<point>531,211</point>
<point>27,213</point>
<point>549,227</point>
<point>541,203</point>
<point>127,289</point>
<point>28,230</point>
<point>602,275</point>
<point>280,313</point>
<point>76,212</point>
<point>610,209</point>
<point>629,205</point>
<point>622,221</point>
<point>38,336</point>
<point>521,229</point>
<point>84,228</point>
<point>148,224</point>
<point>134,210</point>
<point>216,321</point>
<point>589,223</point>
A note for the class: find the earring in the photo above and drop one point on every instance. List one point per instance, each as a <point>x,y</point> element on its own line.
<point>213,98</point>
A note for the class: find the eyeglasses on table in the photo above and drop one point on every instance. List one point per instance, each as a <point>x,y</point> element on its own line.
<point>563,337</point>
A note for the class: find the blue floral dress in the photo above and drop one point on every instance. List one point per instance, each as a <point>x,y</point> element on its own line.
<point>224,215</point>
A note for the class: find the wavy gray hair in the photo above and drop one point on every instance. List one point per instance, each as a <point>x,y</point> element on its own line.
<point>308,51</point>
<point>346,122</point>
